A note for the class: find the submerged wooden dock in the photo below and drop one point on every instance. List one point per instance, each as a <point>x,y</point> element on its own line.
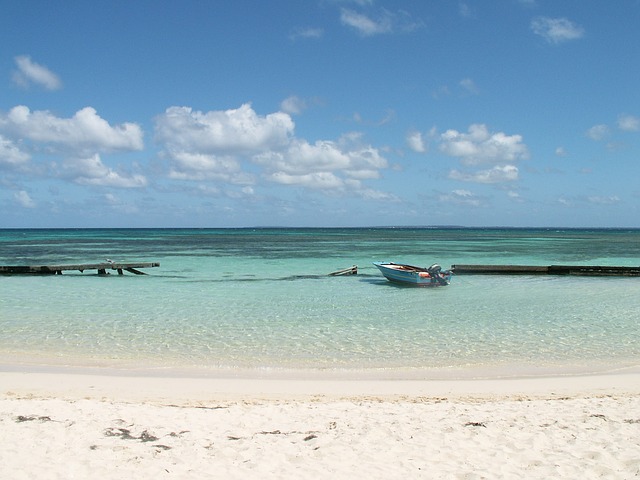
<point>102,268</point>
<point>345,271</point>
<point>583,270</point>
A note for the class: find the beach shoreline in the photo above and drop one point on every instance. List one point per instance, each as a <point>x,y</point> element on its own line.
<point>144,386</point>
<point>56,424</point>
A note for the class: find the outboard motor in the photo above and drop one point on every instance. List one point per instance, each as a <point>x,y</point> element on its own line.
<point>434,270</point>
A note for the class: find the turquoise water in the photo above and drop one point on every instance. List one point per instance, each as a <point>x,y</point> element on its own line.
<point>237,300</point>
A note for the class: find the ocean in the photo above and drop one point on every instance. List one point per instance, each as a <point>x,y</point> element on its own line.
<point>260,302</point>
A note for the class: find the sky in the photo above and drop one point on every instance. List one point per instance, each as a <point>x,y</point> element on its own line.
<point>319,113</point>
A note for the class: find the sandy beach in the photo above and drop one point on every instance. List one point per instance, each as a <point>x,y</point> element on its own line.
<point>81,425</point>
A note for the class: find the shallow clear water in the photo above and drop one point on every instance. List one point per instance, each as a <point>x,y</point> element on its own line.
<point>261,299</point>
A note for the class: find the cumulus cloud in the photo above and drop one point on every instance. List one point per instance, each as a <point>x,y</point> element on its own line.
<point>514,196</point>
<point>365,25</point>
<point>556,30</point>
<point>207,145</point>
<point>85,131</point>
<point>11,155</point>
<point>235,131</point>
<point>23,199</point>
<point>497,174</point>
<point>230,145</point>
<point>79,140</point>
<point>416,142</point>
<point>29,72</point>
<point>628,123</point>
<point>468,86</point>
<point>598,132</point>
<point>479,146</point>
<point>293,105</point>
<point>318,164</point>
<point>204,166</point>
<point>461,197</point>
<point>380,22</point>
<point>317,180</point>
<point>370,194</point>
<point>561,152</point>
<point>92,171</point>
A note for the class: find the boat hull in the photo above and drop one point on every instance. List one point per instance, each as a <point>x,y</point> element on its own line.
<point>411,275</point>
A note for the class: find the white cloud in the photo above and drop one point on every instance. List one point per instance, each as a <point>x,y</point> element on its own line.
<point>515,196</point>
<point>10,154</point>
<point>370,194</point>
<point>556,30</point>
<point>381,22</point>
<point>227,145</point>
<point>461,197</point>
<point>497,174</point>
<point>92,171</point>
<point>364,24</point>
<point>628,123</point>
<point>30,72</point>
<point>313,161</point>
<point>208,145</point>
<point>85,131</point>
<point>204,166</point>
<point>293,105</point>
<point>24,200</point>
<point>111,199</point>
<point>416,142</point>
<point>80,139</point>
<point>237,131</point>
<point>561,152</point>
<point>598,132</point>
<point>469,86</point>
<point>479,146</point>
<point>315,180</point>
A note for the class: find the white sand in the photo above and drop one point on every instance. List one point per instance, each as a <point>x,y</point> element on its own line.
<point>70,425</point>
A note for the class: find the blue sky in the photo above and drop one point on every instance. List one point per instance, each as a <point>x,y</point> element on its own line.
<point>319,113</point>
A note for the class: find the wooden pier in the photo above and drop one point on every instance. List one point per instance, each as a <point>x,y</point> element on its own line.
<point>102,268</point>
<point>345,271</point>
<point>581,270</point>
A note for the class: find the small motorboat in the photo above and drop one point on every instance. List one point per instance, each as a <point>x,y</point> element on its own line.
<point>433,276</point>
